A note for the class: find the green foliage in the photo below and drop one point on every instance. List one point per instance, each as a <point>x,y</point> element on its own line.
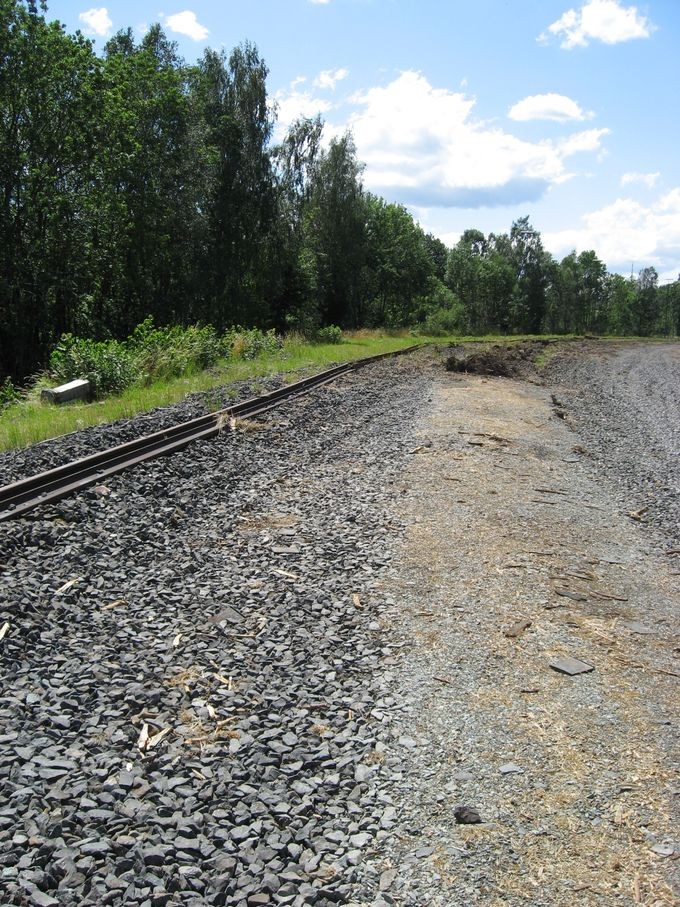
<point>329,334</point>
<point>168,352</point>
<point>154,354</point>
<point>250,344</point>
<point>445,321</point>
<point>107,365</point>
<point>8,393</point>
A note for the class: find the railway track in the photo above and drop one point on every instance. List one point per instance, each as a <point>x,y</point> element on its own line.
<point>18,498</point>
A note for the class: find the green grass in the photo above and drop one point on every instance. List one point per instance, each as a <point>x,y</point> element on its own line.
<point>31,421</point>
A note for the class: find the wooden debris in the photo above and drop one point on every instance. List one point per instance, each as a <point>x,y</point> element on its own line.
<point>117,604</point>
<point>572,594</point>
<point>550,491</point>
<point>517,629</point>
<point>143,740</point>
<point>638,514</point>
<point>608,596</point>
<point>156,739</point>
<point>356,601</point>
<point>4,630</point>
<point>69,585</point>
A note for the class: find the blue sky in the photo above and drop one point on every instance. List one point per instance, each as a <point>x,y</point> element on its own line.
<point>473,112</point>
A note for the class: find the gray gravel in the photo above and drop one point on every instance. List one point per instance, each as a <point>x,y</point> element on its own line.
<point>16,464</point>
<point>210,691</point>
<point>193,710</point>
<point>623,399</point>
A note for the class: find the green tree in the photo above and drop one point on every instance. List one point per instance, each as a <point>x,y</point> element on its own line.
<point>335,233</point>
<point>241,202</point>
<point>646,301</point>
<point>48,101</point>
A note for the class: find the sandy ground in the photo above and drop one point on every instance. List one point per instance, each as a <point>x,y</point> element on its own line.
<point>517,555</point>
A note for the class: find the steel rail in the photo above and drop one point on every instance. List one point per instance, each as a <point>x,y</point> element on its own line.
<point>47,487</point>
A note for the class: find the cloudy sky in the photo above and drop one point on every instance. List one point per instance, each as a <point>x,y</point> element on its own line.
<point>473,112</point>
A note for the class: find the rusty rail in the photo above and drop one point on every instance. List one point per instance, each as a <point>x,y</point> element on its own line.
<point>47,487</point>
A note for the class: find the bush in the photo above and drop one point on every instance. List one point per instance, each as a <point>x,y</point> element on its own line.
<point>8,393</point>
<point>330,334</point>
<point>443,321</point>
<point>151,354</point>
<point>249,344</point>
<point>170,352</point>
<point>107,365</point>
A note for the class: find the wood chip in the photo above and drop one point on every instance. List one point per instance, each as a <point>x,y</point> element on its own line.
<point>517,629</point>
<point>607,596</point>
<point>356,601</point>
<point>117,604</point>
<point>69,585</point>
<point>285,573</point>
<point>156,739</point>
<point>143,740</point>
<point>4,630</point>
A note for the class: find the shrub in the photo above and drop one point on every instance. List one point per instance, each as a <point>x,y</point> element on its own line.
<point>249,344</point>
<point>169,352</point>
<point>443,321</point>
<point>107,364</point>
<point>330,334</point>
<point>8,393</point>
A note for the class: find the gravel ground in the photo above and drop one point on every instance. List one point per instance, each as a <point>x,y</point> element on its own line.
<point>623,399</point>
<point>15,464</point>
<point>272,668</point>
<point>193,710</point>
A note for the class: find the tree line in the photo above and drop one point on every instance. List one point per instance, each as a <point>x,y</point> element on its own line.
<point>134,184</point>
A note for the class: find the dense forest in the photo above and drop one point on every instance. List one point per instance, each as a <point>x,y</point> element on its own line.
<point>135,184</point>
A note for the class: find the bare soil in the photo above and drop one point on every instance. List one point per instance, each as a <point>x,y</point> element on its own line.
<point>519,553</point>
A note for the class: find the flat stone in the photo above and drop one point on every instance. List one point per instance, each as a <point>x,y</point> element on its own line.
<point>571,666</point>
<point>636,627</point>
<point>511,769</point>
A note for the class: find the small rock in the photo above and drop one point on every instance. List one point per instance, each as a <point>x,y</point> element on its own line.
<point>467,815</point>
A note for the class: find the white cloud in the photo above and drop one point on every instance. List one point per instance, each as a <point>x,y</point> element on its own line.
<point>293,103</point>
<point>186,23</point>
<point>96,21</point>
<point>320,2</point>
<point>548,106</point>
<point>647,179</point>
<point>599,20</point>
<point>626,231</point>
<point>589,140</point>
<point>329,78</point>
<point>422,146</point>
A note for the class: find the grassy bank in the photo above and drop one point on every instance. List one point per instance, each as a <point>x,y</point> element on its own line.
<point>30,421</point>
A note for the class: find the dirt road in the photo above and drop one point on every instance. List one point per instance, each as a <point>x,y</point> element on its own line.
<point>520,554</point>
